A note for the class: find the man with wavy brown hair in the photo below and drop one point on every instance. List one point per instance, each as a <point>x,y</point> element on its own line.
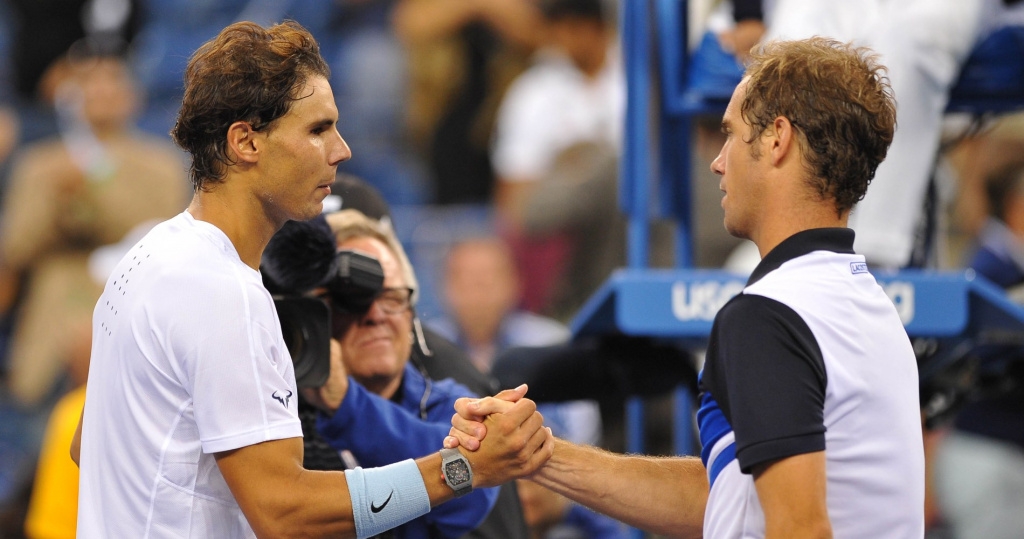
<point>190,426</point>
<point>809,416</point>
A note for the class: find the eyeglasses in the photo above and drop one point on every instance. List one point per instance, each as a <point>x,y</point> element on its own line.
<point>394,300</point>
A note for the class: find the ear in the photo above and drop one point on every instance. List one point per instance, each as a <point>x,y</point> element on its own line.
<point>783,140</point>
<point>242,146</point>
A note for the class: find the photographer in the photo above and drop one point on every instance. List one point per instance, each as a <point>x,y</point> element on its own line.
<point>380,406</point>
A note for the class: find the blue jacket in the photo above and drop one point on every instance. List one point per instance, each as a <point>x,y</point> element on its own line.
<point>378,432</point>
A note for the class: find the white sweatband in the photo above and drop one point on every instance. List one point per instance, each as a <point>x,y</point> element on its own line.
<point>386,497</point>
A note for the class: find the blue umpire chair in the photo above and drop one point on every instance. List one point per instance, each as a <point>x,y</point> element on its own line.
<point>668,87</point>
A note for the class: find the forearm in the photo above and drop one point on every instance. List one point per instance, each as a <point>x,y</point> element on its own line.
<point>666,496</point>
<point>321,505</point>
<point>281,499</point>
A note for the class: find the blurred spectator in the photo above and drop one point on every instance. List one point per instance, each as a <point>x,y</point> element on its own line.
<point>924,44</point>
<point>71,194</point>
<point>978,465</point>
<point>482,291</point>
<point>171,30</point>
<point>9,133</point>
<point>573,234</point>
<point>41,32</point>
<point>574,92</point>
<point>462,56</point>
<point>370,78</point>
<point>53,508</point>
<point>558,137</point>
<point>975,159</point>
<point>9,128</point>
<point>481,288</point>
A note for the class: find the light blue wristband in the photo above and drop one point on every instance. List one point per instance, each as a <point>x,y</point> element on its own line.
<point>386,497</point>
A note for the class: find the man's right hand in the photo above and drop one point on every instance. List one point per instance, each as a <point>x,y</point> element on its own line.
<point>517,443</point>
<point>468,426</point>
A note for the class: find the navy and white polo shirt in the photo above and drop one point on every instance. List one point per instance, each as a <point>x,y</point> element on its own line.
<point>812,356</point>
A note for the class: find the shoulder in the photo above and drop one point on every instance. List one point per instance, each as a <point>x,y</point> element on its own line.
<point>746,309</point>
<point>753,329</point>
<point>183,259</point>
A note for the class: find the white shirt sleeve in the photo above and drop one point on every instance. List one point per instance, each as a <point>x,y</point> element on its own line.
<point>237,367</point>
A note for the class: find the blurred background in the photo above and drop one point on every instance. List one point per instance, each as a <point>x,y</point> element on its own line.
<point>493,129</point>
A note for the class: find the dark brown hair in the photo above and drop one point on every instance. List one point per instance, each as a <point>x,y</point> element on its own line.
<point>838,99</point>
<point>247,73</point>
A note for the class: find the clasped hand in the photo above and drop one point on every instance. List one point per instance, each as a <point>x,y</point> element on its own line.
<point>506,423</point>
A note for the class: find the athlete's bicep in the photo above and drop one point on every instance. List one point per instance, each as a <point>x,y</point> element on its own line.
<point>792,494</point>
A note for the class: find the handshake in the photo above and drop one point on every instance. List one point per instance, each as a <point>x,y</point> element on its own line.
<point>517,442</point>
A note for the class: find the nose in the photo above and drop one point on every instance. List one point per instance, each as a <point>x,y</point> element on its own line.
<point>718,165</point>
<point>339,150</point>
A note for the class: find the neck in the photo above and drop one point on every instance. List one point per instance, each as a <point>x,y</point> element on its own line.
<point>783,224</point>
<point>242,220</point>
<point>592,61</point>
<point>385,388</point>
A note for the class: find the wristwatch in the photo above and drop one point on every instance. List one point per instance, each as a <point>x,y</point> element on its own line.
<point>456,471</point>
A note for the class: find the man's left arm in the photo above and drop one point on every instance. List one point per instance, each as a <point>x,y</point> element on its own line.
<point>792,494</point>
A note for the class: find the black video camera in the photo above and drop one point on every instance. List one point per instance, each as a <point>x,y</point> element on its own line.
<point>352,286</point>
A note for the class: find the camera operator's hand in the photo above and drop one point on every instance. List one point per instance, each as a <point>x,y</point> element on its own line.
<point>329,396</point>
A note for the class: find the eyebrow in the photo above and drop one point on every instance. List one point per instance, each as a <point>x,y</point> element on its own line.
<point>324,123</point>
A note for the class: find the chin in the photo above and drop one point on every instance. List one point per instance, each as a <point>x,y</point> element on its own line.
<point>309,213</point>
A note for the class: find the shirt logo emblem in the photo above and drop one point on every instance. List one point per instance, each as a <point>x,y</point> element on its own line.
<point>378,509</point>
<point>858,267</point>
<point>283,398</point>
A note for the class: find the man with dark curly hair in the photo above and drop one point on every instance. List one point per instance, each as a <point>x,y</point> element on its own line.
<point>809,416</point>
<point>190,426</point>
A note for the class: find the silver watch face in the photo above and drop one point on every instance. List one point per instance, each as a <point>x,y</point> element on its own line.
<point>457,472</point>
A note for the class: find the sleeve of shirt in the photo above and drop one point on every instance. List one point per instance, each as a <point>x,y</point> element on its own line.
<point>379,432</point>
<point>237,368</point>
<point>769,380</point>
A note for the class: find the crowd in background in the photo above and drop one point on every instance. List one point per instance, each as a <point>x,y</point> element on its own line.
<point>492,129</point>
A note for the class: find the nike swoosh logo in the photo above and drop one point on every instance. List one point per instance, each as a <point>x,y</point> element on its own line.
<point>376,509</point>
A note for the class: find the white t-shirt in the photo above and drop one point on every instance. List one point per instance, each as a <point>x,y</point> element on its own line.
<point>187,360</point>
<point>551,107</point>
